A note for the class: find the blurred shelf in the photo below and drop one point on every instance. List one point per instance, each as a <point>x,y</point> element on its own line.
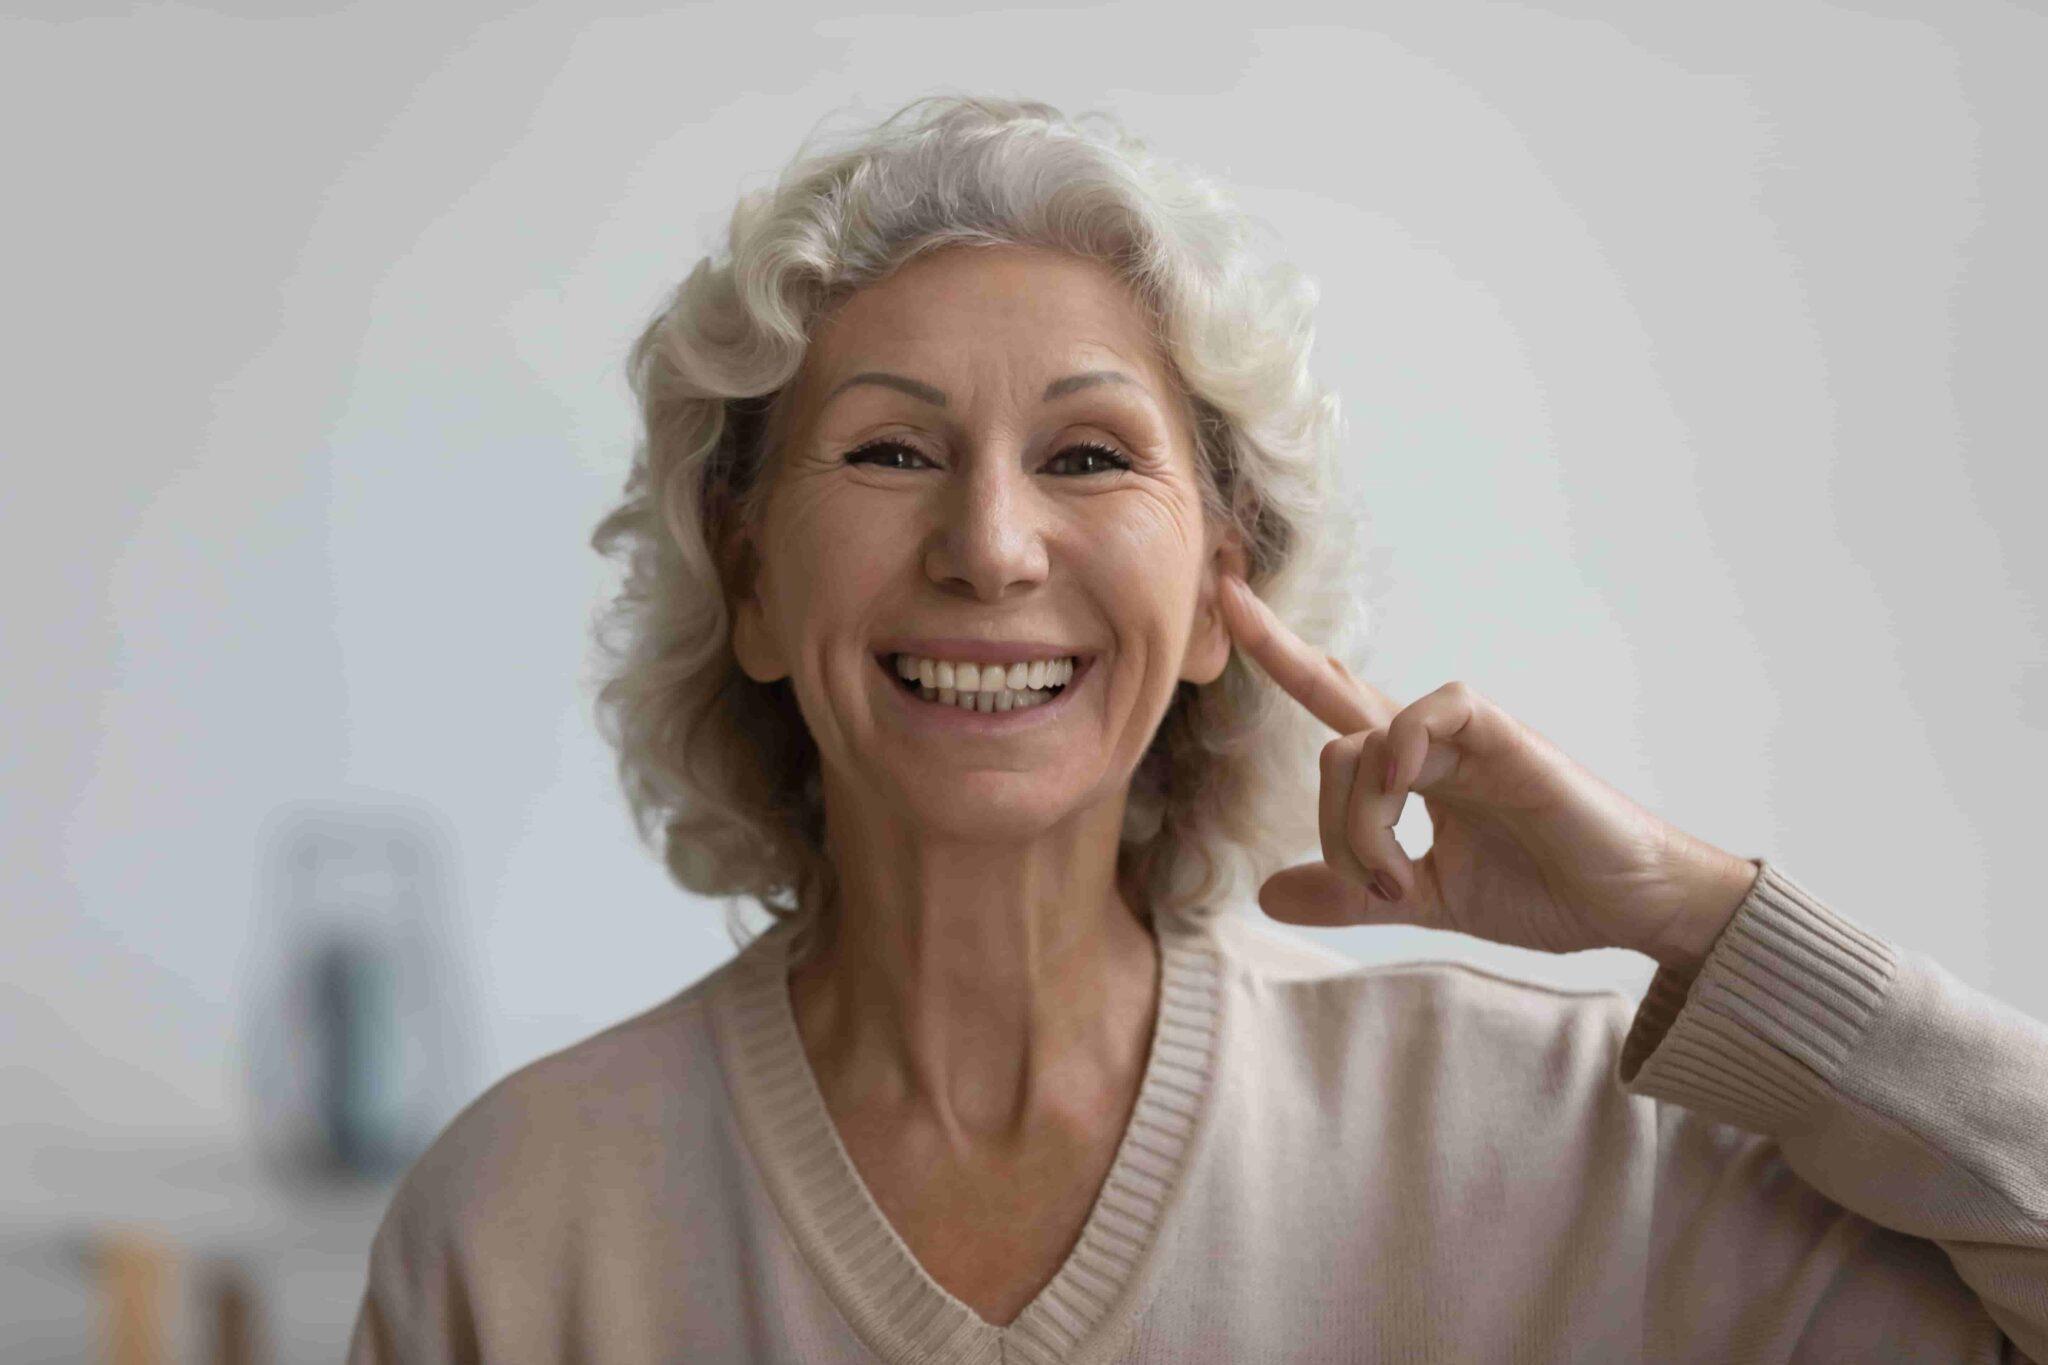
<point>302,1246</point>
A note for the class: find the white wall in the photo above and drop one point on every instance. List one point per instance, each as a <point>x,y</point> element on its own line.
<point>1691,360</point>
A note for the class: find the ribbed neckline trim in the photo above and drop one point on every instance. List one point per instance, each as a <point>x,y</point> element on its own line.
<point>895,1308</point>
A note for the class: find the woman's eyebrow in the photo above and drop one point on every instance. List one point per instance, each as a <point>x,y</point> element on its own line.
<point>937,398</point>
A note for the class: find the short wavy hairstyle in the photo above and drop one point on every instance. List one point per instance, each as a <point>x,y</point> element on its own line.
<point>721,772</point>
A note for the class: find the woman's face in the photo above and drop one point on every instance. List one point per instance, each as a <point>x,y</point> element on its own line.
<point>954,507</point>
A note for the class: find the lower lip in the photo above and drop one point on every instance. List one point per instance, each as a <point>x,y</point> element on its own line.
<point>960,721</point>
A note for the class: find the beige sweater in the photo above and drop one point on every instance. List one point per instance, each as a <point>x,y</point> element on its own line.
<point>1827,1149</point>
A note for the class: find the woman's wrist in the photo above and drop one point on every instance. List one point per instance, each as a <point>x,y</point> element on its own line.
<point>1723,883</point>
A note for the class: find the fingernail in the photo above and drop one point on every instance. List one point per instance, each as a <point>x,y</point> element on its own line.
<point>1393,770</point>
<point>1386,886</point>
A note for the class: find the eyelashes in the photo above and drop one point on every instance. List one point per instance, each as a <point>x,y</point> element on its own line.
<point>1116,459</point>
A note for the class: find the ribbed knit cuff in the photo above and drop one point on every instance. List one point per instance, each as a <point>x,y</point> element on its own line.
<point>1760,1034</point>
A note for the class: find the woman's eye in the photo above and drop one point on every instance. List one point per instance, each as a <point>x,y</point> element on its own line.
<point>1102,453</point>
<point>861,455</point>
<point>881,452</point>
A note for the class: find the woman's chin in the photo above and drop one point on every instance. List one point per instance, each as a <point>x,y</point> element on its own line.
<point>987,806</point>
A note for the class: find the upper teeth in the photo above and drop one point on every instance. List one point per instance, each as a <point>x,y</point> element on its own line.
<point>961,677</point>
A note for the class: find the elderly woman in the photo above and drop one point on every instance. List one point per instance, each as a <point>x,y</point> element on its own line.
<point>981,523</point>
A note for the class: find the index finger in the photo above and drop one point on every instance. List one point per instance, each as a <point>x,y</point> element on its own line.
<point>1315,680</point>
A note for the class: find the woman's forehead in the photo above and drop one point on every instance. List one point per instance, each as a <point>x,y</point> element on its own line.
<point>996,366</point>
<point>1020,304</point>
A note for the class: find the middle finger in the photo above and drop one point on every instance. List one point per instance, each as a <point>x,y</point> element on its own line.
<point>1373,812</point>
<point>1333,805</point>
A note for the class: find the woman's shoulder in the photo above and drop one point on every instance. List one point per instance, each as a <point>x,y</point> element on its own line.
<point>1412,1036</point>
<point>1292,973</point>
<point>608,1074</point>
<point>603,1110</point>
<point>1262,947</point>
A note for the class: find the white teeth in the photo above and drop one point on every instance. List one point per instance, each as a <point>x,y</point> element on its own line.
<point>985,687</point>
<point>1033,673</point>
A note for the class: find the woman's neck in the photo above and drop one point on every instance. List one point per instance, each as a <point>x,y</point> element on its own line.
<point>979,1023</point>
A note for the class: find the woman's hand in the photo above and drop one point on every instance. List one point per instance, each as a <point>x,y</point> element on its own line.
<point>1530,848</point>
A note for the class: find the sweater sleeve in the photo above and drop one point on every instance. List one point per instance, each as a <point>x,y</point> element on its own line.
<point>1913,1112</point>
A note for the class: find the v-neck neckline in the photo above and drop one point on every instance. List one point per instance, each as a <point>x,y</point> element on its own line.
<point>889,1300</point>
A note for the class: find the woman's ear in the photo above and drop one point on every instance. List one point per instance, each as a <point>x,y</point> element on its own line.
<point>1209,644</point>
<point>752,642</point>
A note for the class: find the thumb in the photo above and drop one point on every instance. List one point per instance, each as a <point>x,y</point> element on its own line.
<point>1318,896</point>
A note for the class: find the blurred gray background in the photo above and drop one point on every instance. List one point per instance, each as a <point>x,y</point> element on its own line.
<point>1691,360</point>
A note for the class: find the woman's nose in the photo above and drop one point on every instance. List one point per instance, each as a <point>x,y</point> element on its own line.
<point>990,536</point>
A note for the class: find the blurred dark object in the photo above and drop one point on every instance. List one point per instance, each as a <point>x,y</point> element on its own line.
<point>355,1018</point>
<point>237,1322</point>
<point>359,1037</point>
